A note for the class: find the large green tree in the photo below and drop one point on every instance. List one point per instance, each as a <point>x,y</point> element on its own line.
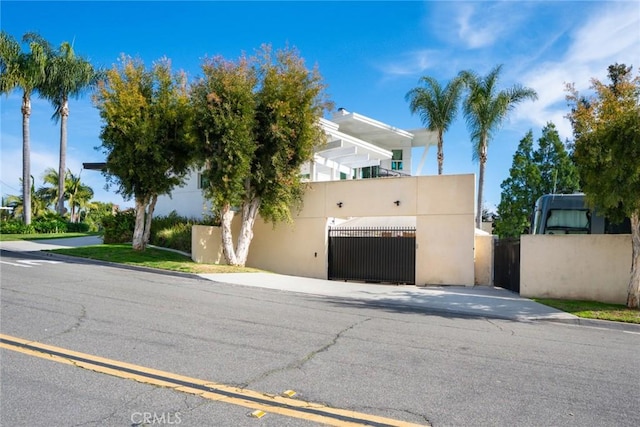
<point>68,76</point>
<point>24,71</point>
<point>485,108</point>
<point>606,127</point>
<point>257,123</point>
<point>518,191</point>
<point>437,107</point>
<point>145,134</point>
<point>548,169</point>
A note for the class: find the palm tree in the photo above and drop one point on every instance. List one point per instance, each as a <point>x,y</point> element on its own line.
<point>38,205</point>
<point>75,192</point>
<point>49,192</point>
<point>485,108</point>
<point>67,76</point>
<point>27,72</point>
<point>78,194</point>
<point>437,107</point>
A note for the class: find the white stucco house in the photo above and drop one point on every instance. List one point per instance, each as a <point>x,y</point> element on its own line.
<point>358,147</point>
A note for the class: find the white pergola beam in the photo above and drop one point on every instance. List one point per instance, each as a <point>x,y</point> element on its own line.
<point>365,163</point>
<point>335,153</point>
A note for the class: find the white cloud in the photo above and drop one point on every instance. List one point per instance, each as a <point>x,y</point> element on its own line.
<point>411,63</point>
<point>611,34</point>
<point>473,33</point>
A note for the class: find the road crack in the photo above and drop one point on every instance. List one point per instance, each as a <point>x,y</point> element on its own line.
<point>500,327</point>
<point>298,364</point>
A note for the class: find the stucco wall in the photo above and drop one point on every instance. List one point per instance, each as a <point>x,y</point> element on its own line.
<point>206,245</point>
<point>484,259</point>
<point>443,207</point>
<point>188,200</point>
<point>298,249</point>
<point>581,267</point>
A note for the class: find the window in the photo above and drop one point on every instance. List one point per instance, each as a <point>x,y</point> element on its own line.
<point>371,172</point>
<point>203,181</point>
<point>568,221</point>
<point>396,160</point>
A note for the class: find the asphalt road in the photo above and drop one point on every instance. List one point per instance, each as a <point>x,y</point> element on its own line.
<point>388,362</point>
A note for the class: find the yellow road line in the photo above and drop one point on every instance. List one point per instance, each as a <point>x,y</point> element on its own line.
<point>209,390</point>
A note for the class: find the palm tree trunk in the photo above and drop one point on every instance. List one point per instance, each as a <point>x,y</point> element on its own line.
<point>483,160</point>
<point>440,151</point>
<point>64,115</point>
<point>26,159</point>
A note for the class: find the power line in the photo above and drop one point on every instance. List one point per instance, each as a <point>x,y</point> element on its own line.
<point>8,186</point>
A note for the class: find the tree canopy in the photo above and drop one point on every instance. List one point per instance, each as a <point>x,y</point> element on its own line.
<point>485,107</point>
<point>606,127</point>
<point>548,169</point>
<point>146,134</point>
<point>25,71</point>
<point>68,75</point>
<point>256,124</point>
<point>437,107</point>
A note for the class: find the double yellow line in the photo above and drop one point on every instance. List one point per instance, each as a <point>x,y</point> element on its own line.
<point>265,402</point>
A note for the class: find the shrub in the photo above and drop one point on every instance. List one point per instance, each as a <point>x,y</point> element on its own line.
<point>177,236</point>
<point>16,226</point>
<point>119,228</point>
<point>77,227</point>
<point>50,223</point>
<point>173,231</point>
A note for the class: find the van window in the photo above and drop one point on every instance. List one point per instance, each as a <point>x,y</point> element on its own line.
<point>568,221</point>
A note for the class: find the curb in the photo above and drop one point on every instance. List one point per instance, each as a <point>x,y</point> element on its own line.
<point>595,323</point>
<point>81,260</point>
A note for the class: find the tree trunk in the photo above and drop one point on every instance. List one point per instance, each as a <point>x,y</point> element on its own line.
<point>249,214</point>
<point>440,151</point>
<point>147,227</point>
<point>62,167</point>
<point>633,291</point>
<point>483,161</point>
<point>26,159</point>
<point>138,243</point>
<point>226,216</point>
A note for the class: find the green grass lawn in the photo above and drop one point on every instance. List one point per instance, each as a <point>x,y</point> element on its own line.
<point>594,310</point>
<point>150,257</point>
<point>10,237</point>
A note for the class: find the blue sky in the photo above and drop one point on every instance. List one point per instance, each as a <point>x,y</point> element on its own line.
<point>369,54</point>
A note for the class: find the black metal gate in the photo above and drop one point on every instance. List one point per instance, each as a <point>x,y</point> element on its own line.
<point>506,264</point>
<point>372,254</point>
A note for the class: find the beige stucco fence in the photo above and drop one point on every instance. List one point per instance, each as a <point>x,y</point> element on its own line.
<point>445,239</point>
<point>580,267</point>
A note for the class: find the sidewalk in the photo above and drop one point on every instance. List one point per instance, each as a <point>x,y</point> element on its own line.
<point>479,301</point>
<point>43,245</point>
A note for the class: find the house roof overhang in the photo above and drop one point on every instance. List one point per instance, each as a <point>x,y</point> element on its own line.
<point>348,150</point>
<point>380,133</point>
